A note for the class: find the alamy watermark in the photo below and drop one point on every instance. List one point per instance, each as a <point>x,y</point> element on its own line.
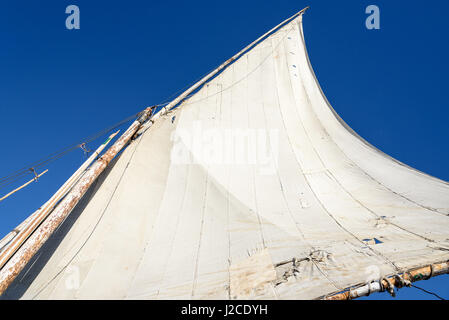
<point>73,20</point>
<point>373,20</point>
<point>231,146</point>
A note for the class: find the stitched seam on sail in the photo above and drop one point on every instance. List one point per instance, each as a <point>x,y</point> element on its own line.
<point>345,126</point>
<point>90,234</point>
<point>291,147</point>
<point>361,170</point>
<point>195,276</point>
<point>319,157</point>
<point>285,198</point>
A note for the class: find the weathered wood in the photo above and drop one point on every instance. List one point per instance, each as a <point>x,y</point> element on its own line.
<point>422,273</point>
<point>12,241</point>
<point>35,241</point>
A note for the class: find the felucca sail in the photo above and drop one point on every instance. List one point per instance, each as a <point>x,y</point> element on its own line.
<point>252,187</point>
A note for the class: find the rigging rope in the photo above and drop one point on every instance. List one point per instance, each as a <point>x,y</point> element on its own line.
<point>20,173</point>
<point>178,92</point>
<point>13,177</point>
<point>185,101</point>
<point>429,292</point>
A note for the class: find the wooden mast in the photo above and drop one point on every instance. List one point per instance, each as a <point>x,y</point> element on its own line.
<point>12,241</point>
<point>389,283</point>
<point>386,283</point>
<point>213,73</point>
<point>35,240</point>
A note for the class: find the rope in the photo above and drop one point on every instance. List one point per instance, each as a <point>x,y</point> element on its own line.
<point>185,101</point>
<point>429,292</point>
<point>14,176</point>
<point>178,92</point>
<point>19,174</point>
<point>402,282</point>
<point>389,288</point>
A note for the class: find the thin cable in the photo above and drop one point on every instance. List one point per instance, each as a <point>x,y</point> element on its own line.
<point>245,51</point>
<point>178,92</point>
<point>424,290</point>
<point>185,100</point>
<point>54,156</point>
<point>18,174</point>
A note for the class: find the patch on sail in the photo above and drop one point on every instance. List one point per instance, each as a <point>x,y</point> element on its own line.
<point>294,269</point>
<point>250,276</point>
<point>381,222</point>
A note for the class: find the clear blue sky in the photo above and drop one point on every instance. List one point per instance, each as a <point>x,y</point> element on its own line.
<point>58,86</point>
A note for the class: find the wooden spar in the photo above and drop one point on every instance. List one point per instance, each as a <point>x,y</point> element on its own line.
<point>35,241</point>
<point>23,186</point>
<point>221,67</point>
<point>14,266</point>
<point>12,241</point>
<point>399,281</point>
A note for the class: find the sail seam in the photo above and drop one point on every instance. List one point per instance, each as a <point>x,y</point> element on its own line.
<point>228,200</point>
<point>92,231</point>
<point>253,169</point>
<point>286,201</point>
<point>350,130</point>
<point>337,180</point>
<point>195,277</point>
<point>148,240</point>
<point>380,255</point>
<point>176,228</point>
<point>186,102</point>
<point>297,161</point>
<point>217,71</point>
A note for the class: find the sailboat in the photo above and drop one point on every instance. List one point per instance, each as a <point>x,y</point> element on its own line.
<point>248,185</point>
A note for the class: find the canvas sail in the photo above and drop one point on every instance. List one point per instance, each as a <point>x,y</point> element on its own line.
<point>253,188</point>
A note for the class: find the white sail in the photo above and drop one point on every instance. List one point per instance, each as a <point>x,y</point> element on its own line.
<point>251,188</point>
